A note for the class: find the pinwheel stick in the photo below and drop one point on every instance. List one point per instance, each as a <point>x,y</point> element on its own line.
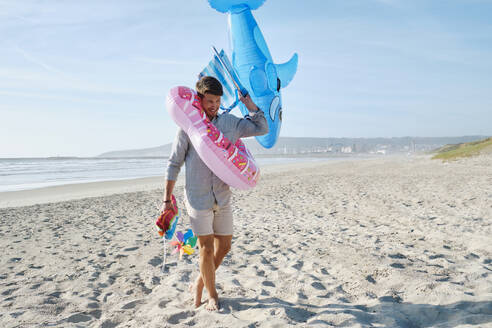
<point>163,269</point>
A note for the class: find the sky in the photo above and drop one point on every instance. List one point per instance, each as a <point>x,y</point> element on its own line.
<point>79,78</point>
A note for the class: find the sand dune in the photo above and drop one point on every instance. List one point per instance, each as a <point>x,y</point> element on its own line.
<point>394,242</point>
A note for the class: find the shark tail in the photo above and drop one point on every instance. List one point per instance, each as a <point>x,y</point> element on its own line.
<point>225,6</point>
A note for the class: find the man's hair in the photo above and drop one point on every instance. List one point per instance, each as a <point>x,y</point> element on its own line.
<point>209,84</point>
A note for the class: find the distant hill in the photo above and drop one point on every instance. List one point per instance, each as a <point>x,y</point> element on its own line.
<point>290,145</point>
<point>161,151</point>
<point>296,146</point>
<point>467,149</point>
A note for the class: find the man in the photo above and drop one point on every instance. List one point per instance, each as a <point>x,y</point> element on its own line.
<point>207,198</point>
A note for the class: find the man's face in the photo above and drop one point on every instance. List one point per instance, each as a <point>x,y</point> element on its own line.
<point>210,104</point>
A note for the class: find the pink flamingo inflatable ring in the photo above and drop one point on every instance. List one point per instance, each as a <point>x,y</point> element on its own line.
<point>232,163</point>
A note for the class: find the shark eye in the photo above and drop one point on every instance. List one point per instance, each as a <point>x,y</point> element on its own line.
<point>274,106</point>
<point>278,84</point>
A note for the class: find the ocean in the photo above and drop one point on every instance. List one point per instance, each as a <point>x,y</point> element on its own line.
<point>33,173</point>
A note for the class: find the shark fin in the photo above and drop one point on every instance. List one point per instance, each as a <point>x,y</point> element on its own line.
<point>286,71</point>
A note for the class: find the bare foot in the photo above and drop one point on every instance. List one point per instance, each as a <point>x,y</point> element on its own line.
<point>197,287</point>
<point>213,304</point>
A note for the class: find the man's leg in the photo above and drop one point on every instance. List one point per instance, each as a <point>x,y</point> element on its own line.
<point>222,246</point>
<point>207,270</point>
<point>222,226</point>
<point>202,224</point>
<point>223,229</point>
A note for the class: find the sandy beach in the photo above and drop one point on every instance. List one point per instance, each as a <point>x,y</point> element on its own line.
<point>387,242</point>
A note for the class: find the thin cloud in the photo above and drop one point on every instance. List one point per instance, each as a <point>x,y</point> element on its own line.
<point>18,17</point>
<point>45,96</point>
<point>32,59</point>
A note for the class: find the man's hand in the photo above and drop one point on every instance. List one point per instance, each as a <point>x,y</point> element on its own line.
<point>248,102</point>
<point>166,206</point>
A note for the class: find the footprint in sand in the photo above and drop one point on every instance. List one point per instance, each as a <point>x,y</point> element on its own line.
<point>298,265</point>
<point>55,294</point>
<point>178,317</point>
<point>255,252</point>
<point>16,314</point>
<point>435,265</point>
<point>32,266</point>
<point>107,296</point>
<point>371,279</point>
<point>109,324</point>
<point>343,299</point>
<point>446,278</point>
<point>35,286</point>
<point>472,256</point>
<point>264,260</point>
<point>163,303</point>
<point>95,294</point>
<point>301,295</point>
<point>130,305</point>
<point>96,314</point>
<point>391,299</point>
<point>79,317</point>
<point>318,286</point>
<point>9,291</point>
<point>397,265</point>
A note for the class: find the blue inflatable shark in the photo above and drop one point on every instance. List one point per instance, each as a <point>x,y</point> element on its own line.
<point>253,64</point>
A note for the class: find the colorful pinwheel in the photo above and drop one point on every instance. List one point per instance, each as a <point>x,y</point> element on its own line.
<point>185,243</point>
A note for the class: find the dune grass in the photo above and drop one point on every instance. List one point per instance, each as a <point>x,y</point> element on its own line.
<point>467,149</point>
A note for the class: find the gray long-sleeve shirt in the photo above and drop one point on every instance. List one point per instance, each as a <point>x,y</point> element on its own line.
<point>203,188</point>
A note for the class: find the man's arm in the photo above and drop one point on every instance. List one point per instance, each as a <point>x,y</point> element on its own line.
<point>176,160</point>
<point>255,125</point>
<point>168,191</point>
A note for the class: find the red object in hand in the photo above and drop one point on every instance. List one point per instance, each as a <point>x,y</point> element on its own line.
<point>166,218</point>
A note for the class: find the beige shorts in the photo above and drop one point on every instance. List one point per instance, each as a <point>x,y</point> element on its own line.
<point>214,221</point>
